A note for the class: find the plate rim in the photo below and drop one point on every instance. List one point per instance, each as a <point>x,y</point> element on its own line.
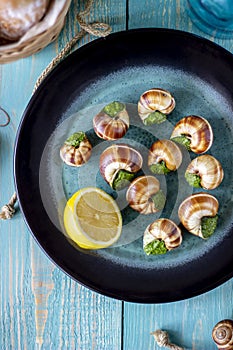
<point>23,120</point>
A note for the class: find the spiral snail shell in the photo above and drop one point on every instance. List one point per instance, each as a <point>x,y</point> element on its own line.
<point>76,150</point>
<point>204,171</point>
<point>144,195</point>
<point>112,122</point>
<point>222,335</point>
<point>164,156</point>
<point>193,132</point>
<point>154,105</point>
<point>198,214</point>
<point>118,165</point>
<point>160,236</point>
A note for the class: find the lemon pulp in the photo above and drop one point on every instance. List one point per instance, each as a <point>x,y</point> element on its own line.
<point>92,218</point>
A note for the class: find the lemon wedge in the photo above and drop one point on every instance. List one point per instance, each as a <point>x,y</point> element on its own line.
<point>92,218</point>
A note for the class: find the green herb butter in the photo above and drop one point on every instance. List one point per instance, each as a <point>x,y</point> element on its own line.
<point>208,225</point>
<point>155,118</point>
<point>113,108</point>
<point>159,168</point>
<point>155,247</point>
<point>122,179</point>
<point>159,200</point>
<point>182,140</point>
<point>193,180</point>
<point>75,139</point>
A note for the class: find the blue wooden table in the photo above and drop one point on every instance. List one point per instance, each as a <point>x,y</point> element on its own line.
<point>41,307</point>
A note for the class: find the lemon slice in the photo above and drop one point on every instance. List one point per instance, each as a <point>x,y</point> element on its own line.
<point>92,218</point>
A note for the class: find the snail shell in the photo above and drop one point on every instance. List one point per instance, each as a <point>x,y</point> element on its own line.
<point>208,169</point>
<point>194,208</point>
<point>165,230</point>
<point>165,151</point>
<point>119,157</point>
<point>111,126</point>
<point>76,155</point>
<point>223,335</point>
<point>140,193</point>
<point>197,130</point>
<point>155,100</point>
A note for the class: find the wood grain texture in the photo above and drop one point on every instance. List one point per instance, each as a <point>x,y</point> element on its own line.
<point>39,304</point>
<point>41,307</point>
<point>188,322</point>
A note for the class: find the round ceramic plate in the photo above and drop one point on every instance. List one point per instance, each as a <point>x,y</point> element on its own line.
<point>121,67</point>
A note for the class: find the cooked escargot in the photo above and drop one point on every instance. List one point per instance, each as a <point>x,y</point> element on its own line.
<point>144,195</point>
<point>154,105</point>
<point>222,335</point>
<point>160,236</point>
<point>76,150</point>
<point>164,156</point>
<point>118,165</point>
<point>204,171</point>
<point>198,214</point>
<point>112,122</point>
<point>193,132</point>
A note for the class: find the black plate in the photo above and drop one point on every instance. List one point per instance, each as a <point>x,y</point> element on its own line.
<point>121,67</point>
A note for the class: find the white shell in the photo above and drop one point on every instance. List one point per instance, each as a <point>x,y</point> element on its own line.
<point>194,208</point>
<point>209,169</point>
<point>155,100</point>
<point>165,230</point>
<point>140,192</point>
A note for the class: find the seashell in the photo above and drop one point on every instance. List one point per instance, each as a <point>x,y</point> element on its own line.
<point>193,132</point>
<point>204,171</point>
<point>118,165</point>
<point>154,105</point>
<point>222,335</point>
<point>198,214</point>
<point>76,150</point>
<point>160,236</point>
<point>112,122</point>
<point>144,195</point>
<point>164,156</point>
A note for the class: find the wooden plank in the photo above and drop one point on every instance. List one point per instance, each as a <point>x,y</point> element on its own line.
<point>39,304</point>
<point>188,322</point>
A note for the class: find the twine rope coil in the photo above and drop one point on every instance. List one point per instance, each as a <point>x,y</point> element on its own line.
<point>162,340</point>
<point>97,29</point>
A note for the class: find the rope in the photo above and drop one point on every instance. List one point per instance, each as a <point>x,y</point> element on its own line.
<point>8,210</point>
<point>97,29</point>
<point>162,339</point>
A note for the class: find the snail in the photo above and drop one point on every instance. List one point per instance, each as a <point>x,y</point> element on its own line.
<point>164,156</point>
<point>112,122</point>
<point>222,335</point>
<point>193,132</point>
<point>160,236</point>
<point>76,150</point>
<point>118,165</point>
<point>204,171</point>
<point>198,214</point>
<point>154,105</point>
<point>144,195</point>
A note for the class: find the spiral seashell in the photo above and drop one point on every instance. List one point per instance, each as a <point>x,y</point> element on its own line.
<point>119,163</point>
<point>76,150</point>
<point>198,214</point>
<point>222,335</point>
<point>164,231</point>
<point>164,156</point>
<point>144,195</point>
<point>194,132</point>
<point>112,122</point>
<point>204,171</point>
<point>152,101</point>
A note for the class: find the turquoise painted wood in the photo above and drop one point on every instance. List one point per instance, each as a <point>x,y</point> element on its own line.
<point>41,307</point>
